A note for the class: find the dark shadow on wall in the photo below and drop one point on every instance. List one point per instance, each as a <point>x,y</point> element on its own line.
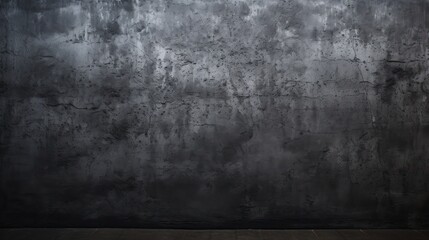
<point>226,114</point>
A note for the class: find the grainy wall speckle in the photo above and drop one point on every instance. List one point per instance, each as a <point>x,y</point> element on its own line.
<point>227,113</point>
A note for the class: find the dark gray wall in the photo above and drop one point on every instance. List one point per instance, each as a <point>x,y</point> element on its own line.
<point>192,113</point>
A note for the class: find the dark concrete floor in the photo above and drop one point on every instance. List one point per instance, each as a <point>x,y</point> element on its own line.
<point>135,234</point>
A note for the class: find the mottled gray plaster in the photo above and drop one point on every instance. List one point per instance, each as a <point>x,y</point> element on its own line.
<point>192,113</point>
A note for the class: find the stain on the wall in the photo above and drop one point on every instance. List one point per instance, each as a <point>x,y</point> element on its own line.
<point>193,113</point>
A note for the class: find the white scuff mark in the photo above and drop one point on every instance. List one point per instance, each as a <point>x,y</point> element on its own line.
<point>254,11</point>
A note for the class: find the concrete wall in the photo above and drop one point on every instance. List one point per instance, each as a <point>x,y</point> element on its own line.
<point>193,113</point>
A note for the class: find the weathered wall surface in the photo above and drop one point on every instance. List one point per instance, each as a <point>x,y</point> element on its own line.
<point>192,113</point>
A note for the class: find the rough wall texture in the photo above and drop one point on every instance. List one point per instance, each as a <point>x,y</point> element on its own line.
<point>192,113</point>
